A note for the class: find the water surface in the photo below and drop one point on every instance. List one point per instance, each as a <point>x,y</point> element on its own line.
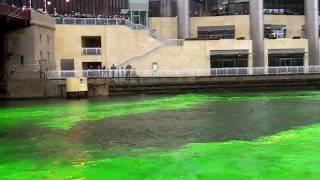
<point>188,136</point>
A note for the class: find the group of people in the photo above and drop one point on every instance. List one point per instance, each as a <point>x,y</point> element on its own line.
<point>78,14</point>
<point>112,72</point>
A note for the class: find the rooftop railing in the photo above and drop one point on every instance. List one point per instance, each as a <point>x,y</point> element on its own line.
<point>216,72</point>
<point>105,22</point>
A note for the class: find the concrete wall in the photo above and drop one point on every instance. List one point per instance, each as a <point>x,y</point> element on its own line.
<point>166,27</point>
<point>39,88</point>
<point>191,55</point>
<point>29,42</point>
<point>119,43</point>
<point>241,22</point>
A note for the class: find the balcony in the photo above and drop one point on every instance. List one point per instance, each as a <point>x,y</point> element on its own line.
<point>91,51</point>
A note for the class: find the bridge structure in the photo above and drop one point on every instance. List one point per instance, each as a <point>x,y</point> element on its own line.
<point>11,18</point>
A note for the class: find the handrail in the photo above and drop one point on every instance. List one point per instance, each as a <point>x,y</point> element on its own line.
<point>105,21</point>
<point>166,42</point>
<point>215,72</point>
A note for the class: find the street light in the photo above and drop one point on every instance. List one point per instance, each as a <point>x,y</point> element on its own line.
<point>67,1</point>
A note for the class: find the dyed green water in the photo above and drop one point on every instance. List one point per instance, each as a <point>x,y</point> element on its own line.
<point>273,135</point>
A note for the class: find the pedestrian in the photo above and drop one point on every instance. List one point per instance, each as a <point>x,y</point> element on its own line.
<point>128,69</point>
<point>113,69</point>
<point>104,71</point>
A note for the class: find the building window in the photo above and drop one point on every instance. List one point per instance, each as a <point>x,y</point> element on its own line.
<point>41,56</point>
<point>48,54</point>
<point>40,38</point>
<point>216,32</point>
<point>48,40</point>
<point>284,7</point>
<point>229,58</point>
<point>286,57</point>
<point>275,31</point>
<point>21,60</point>
<point>91,45</point>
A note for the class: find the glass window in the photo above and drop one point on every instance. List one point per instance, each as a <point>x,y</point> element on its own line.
<point>216,32</point>
<point>229,60</point>
<point>289,59</point>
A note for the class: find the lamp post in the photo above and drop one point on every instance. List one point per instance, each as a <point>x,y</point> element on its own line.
<point>67,1</point>
<point>46,3</point>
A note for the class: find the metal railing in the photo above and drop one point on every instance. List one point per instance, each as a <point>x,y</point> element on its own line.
<point>91,51</point>
<point>90,21</point>
<point>106,21</point>
<point>216,72</point>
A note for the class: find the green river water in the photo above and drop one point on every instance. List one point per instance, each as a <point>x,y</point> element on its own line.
<point>248,135</point>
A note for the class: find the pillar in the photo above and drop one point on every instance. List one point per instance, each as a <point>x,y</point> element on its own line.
<point>166,6</point>
<point>183,18</point>
<point>257,32</point>
<point>312,30</point>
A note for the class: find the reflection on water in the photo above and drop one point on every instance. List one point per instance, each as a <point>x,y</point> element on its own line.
<point>83,131</point>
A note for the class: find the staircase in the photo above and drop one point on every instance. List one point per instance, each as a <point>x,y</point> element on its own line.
<point>166,43</point>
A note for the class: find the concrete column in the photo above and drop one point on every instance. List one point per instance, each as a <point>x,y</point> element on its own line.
<point>183,18</point>
<point>166,6</point>
<point>257,32</point>
<point>312,30</point>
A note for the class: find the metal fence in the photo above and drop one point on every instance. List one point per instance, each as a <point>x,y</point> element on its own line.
<point>90,21</point>
<point>218,72</point>
<point>106,21</point>
<point>91,51</point>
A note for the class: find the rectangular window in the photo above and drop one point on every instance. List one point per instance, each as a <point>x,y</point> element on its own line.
<point>48,40</point>
<point>67,64</point>
<point>21,60</point>
<point>48,55</point>
<point>275,31</point>
<point>286,57</point>
<point>229,58</point>
<point>41,56</point>
<point>40,38</point>
<point>216,32</point>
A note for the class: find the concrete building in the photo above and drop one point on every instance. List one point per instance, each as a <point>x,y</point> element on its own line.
<point>236,34</point>
<point>228,34</point>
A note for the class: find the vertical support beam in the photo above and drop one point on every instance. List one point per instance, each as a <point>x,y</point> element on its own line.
<point>166,6</point>
<point>312,30</point>
<point>183,18</point>
<point>257,32</point>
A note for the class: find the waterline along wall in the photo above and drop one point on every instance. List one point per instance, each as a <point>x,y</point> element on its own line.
<point>26,89</point>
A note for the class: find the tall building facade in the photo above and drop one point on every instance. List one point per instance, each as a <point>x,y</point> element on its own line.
<point>93,7</point>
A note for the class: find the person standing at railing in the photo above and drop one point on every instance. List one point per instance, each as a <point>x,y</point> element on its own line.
<point>128,69</point>
<point>113,69</point>
<point>98,71</point>
<point>104,73</point>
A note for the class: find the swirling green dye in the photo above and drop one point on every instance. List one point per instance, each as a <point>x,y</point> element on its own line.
<point>64,116</point>
<point>292,154</point>
<point>289,155</point>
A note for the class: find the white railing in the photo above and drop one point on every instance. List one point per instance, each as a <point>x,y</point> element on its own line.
<point>106,21</point>
<point>166,43</point>
<point>91,51</point>
<point>90,21</point>
<point>217,72</point>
